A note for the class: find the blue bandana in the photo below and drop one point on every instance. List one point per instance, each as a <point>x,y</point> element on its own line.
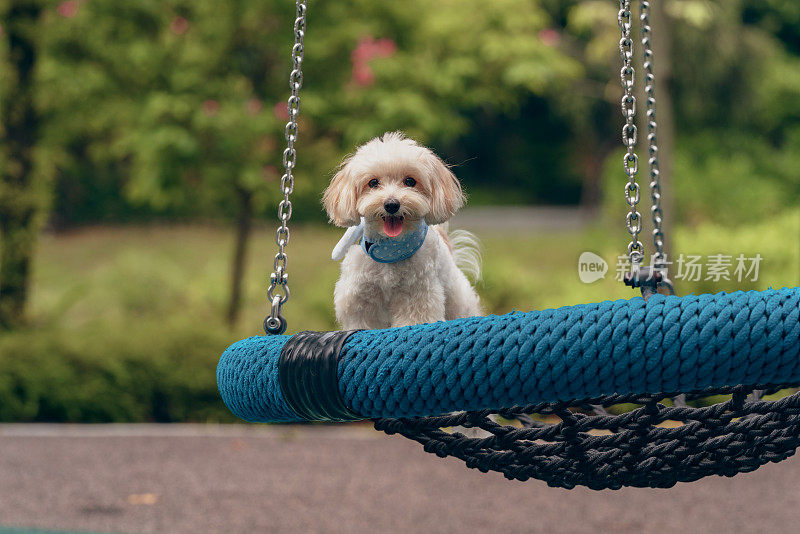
<point>382,248</point>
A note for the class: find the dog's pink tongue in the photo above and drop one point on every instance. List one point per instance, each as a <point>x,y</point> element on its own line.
<point>393,226</point>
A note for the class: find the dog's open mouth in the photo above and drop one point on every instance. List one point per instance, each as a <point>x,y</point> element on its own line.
<point>392,225</point>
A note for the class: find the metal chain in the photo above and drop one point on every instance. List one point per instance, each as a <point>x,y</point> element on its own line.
<point>275,323</point>
<point>630,161</point>
<point>659,258</point>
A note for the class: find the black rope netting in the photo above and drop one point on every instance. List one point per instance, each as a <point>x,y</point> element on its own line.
<point>663,440</point>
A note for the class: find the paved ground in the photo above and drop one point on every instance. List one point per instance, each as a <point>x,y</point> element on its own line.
<point>524,219</point>
<point>183,478</point>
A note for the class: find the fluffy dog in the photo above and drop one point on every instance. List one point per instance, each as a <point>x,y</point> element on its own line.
<point>396,197</point>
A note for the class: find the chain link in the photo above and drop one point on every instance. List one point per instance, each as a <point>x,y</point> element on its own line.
<point>630,161</point>
<point>275,323</point>
<point>659,259</point>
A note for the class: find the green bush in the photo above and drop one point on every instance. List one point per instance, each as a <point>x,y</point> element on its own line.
<point>726,177</point>
<point>127,323</point>
<point>140,371</point>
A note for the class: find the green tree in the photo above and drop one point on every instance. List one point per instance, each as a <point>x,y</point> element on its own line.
<point>23,187</point>
<point>187,99</point>
<point>737,109</point>
<point>732,80</point>
<point>172,95</point>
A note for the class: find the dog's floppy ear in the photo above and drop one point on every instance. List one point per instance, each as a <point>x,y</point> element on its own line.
<point>446,194</point>
<point>340,198</point>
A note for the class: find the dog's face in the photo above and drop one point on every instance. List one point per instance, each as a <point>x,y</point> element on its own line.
<point>393,183</point>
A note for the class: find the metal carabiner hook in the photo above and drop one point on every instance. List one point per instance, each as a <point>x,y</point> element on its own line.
<point>648,279</point>
<point>275,324</point>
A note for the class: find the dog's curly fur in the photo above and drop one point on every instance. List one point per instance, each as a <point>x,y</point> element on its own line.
<point>429,286</point>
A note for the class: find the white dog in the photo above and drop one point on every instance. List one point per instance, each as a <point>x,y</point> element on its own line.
<point>404,271</point>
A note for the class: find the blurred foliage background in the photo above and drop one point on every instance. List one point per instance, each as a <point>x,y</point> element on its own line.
<point>141,155</point>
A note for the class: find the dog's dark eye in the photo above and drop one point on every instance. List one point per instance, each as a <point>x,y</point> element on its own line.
<point>409,181</point>
<point>373,183</point>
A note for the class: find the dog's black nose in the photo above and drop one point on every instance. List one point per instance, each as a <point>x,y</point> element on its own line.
<point>391,206</point>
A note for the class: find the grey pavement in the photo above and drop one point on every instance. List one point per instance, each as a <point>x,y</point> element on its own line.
<point>240,478</point>
<point>522,219</point>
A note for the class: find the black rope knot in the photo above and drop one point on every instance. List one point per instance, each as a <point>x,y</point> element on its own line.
<point>307,372</point>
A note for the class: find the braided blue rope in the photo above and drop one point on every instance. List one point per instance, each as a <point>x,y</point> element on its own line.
<point>613,347</point>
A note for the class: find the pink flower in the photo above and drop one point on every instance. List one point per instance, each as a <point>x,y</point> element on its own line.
<point>280,111</point>
<point>365,51</point>
<point>368,48</point>
<point>68,9</point>
<point>362,75</point>
<point>549,37</point>
<point>179,25</point>
<point>385,47</point>
<point>210,107</point>
<point>253,106</point>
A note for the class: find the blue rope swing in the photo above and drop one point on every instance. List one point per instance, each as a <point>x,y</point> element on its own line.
<point>575,352</point>
<point>571,364</point>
